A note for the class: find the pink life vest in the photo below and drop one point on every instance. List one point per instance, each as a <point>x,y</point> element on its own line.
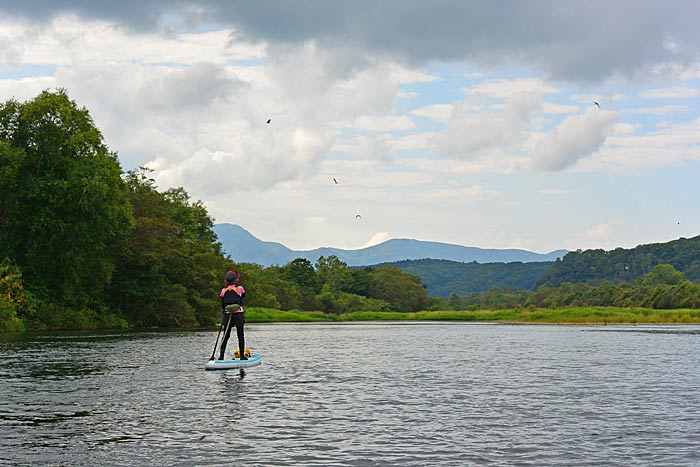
<point>238,289</point>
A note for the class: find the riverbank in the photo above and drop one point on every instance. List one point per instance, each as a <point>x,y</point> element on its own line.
<point>570,315</point>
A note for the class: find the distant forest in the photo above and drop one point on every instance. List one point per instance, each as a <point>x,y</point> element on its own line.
<point>661,275</point>
<point>661,288</point>
<point>444,278</point>
<point>624,265</point>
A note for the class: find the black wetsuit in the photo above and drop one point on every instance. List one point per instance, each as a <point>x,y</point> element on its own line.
<point>232,319</point>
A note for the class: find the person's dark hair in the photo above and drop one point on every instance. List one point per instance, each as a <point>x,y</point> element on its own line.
<point>231,277</point>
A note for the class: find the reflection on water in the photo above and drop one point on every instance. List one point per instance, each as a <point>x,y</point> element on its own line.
<point>380,394</point>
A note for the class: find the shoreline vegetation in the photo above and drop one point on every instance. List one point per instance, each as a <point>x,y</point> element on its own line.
<point>593,316</point>
<point>569,315</point>
<point>109,251</point>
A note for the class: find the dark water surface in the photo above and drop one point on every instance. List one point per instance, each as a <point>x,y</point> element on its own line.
<point>384,394</point>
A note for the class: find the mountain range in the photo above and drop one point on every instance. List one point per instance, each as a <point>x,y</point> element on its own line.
<point>243,247</point>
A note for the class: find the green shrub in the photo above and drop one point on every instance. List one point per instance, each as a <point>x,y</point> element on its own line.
<point>112,321</point>
<point>58,319</point>
<point>8,317</point>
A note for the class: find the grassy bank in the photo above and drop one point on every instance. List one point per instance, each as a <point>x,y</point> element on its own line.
<point>572,315</point>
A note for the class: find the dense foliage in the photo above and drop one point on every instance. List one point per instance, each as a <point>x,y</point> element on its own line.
<point>330,285</point>
<point>658,276</point>
<point>169,271</point>
<point>662,288</point>
<point>64,215</point>
<point>444,278</point>
<point>14,300</point>
<point>84,245</point>
<point>624,265</point>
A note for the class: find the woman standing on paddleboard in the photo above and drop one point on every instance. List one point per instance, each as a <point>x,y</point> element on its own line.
<point>232,307</point>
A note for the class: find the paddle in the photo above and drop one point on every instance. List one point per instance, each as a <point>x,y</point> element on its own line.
<point>227,331</point>
<point>217,340</point>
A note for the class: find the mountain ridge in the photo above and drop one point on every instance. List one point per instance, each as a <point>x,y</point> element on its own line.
<point>242,246</point>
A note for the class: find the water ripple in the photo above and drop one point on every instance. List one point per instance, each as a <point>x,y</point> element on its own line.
<point>356,395</point>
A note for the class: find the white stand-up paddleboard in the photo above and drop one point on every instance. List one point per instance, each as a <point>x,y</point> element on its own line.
<point>253,360</point>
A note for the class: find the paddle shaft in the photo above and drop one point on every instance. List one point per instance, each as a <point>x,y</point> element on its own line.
<point>228,327</point>
<point>217,340</point>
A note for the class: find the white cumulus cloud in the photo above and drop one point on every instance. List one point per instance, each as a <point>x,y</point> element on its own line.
<point>575,138</point>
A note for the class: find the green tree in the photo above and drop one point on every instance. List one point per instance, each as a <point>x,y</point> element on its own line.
<point>404,292</point>
<point>15,302</point>
<point>334,301</point>
<point>332,271</point>
<point>455,302</point>
<point>170,274</point>
<point>663,274</point>
<point>64,212</point>
<point>262,285</point>
<point>357,281</point>
<point>300,272</point>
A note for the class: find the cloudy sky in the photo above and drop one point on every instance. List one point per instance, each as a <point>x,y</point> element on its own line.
<point>465,122</point>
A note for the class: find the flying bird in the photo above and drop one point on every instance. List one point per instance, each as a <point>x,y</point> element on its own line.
<point>358,216</point>
<point>594,103</point>
<point>269,120</point>
<point>336,181</point>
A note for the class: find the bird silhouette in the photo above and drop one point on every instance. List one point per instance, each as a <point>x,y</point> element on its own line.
<point>269,120</point>
<point>336,181</point>
<point>358,216</point>
<point>594,103</point>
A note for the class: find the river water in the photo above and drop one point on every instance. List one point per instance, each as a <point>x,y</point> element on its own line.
<point>362,394</point>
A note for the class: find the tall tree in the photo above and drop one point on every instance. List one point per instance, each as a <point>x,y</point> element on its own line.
<point>332,271</point>
<point>64,213</point>
<point>301,273</point>
<point>662,274</point>
<point>170,274</point>
<point>403,291</point>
